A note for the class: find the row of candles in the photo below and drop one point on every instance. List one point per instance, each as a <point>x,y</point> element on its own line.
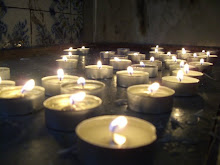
<point>74,98</point>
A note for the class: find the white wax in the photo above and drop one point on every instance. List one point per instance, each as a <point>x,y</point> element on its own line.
<point>94,72</point>
<point>6,83</point>
<point>191,73</point>
<point>119,65</point>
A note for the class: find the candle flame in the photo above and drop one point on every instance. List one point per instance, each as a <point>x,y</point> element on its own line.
<point>153,87</point>
<point>168,53</point>
<point>174,58</point>
<point>118,124</point>
<point>81,81</point>
<point>71,48</point>
<point>181,64</point>
<point>64,58</point>
<point>152,59</point>
<point>70,53</point>
<point>83,47</point>
<point>116,59</point>
<point>60,74</point>
<point>180,75</point>
<point>136,54</point>
<point>99,64</point>
<point>183,51</point>
<point>28,86</point>
<point>119,139</point>
<point>208,53</point>
<point>142,63</point>
<point>194,55</point>
<point>157,46</point>
<point>202,61</point>
<point>203,51</point>
<point>130,70</point>
<point>186,68</point>
<point>156,50</point>
<point>107,52</point>
<point>0,79</point>
<point>77,97</point>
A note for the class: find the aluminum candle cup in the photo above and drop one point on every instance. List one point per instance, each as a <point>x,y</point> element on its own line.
<point>124,79</point>
<point>90,87</point>
<point>155,62</point>
<point>52,83</point>
<point>107,54</point>
<point>136,57</point>
<point>141,100</point>
<point>67,64</point>
<point>163,57</point>
<point>169,62</point>
<point>60,115</point>
<point>120,64</point>
<point>187,87</point>
<point>205,67</point>
<point>13,102</point>
<point>83,50</point>
<point>6,83</point>
<point>93,72</point>
<point>5,73</point>
<point>95,142</point>
<point>123,51</point>
<point>73,56</point>
<point>190,73</point>
<point>73,51</point>
<point>155,54</point>
<point>152,70</point>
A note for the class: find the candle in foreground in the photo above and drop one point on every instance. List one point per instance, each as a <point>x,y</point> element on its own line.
<point>6,83</point>
<point>64,112</point>
<point>21,100</point>
<point>120,64</point>
<point>152,98</point>
<point>5,73</point>
<point>99,71</point>
<point>183,85</point>
<point>115,140</point>
<point>52,83</point>
<point>129,77</point>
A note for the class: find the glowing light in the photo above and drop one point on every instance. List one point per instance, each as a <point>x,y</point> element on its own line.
<point>186,68</point>
<point>28,86</point>
<point>71,48</point>
<point>183,51</point>
<point>157,46</point>
<point>177,113</point>
<point>168,53</point>
<point>153,87</point>
<point>152,59</point>
<point>174,58</point>
<point>70,54</point>
<point>208,53</point>
<point>99,64</point>
<point>119,139</point>
<point>181,64</point>
<point>202,61</point>
<point>107,52</point>
<point>118,124</point>
<point>116,59</point>
<point>180,75</point>
<point>77,97</point>
<point>60,74</point>
<point>64,58</point>
<point>83,47</point>
<point>142,63</point>
<point>156,50</point>
<point>130,70</point>
<point>203,51</point>
<point>81,81</point>
<point>194,55</point>
<point>136,54</point>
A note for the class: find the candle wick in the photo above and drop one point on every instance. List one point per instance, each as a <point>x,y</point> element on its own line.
<point>130,74</point>
<point>83,85</point>
<point>180,79</point>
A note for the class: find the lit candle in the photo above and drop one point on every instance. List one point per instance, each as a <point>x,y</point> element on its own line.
<point>5,73</point>
<point>70,56</point>
<point>183,53</point>
<point>6,83</point>
<point>152,98</point>
<point>211,58</point>
<point>136,57</point>
<point>52,83</point>
<point>179,66</point>
<point>194,58</point>
<point>120,64</point>
<point>148,67</point>
<point>83,50</point>
<point>107,54</point>
<point>66,63</point>
<point>172,61</point>
<point>163,57</point>
<point>127,141</point>
<point>156,52</point>
<point>152,61</point>
<point>74,51</point>
<point>18,100</point>
<point>183,85</point>
<point>91,87</point>
<point>130,77</point>
<point>123,51</point>
<point>157,47</point>
<point>202,66</point>
<point>64,112</point>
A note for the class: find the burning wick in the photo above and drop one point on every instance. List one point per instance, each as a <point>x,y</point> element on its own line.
<point>168,53</point>
<point>107,52</point>
<point>130,70</point>
<point>157,46</point>
<point>194,55</point>
<point>208,53</point>
<point>60,74</point>
<point>180,75</point>
<point>81,81</point>
<point>117,125</point>
<point>202,61</point>
<point>203,51</point>
<point>174,58</point>
<point>65,58</point>
<point>181,64</point>
<point>156,50</point>
<point>183,51</point>
<point>116,59</point>
<point>142,64</point>
<point>136,54</point>
<point>99,64</point>
<point>71,48</point>
<point>83,47</point>
<point>28,86</point>
<point>152,59</point>
<point>153,88</point>
<point>76,98</point>
<point>70,54</point>
<point>186,68</point>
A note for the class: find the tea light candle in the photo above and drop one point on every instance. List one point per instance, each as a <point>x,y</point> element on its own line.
<point>156,53</point>
<point>99,71</point>
<point>6,83</point>
<point>151,69</point>
<point>107,54</point>
<point>67,63</point>
<point>183,85</point>
<point>157,47</point>
<point>172,61</point>
<point>115,140</point>
<point>18,100</point>
<point>116,56</point>
<point>120,64</point>
<point>194,58</point>
<point>188,72</point>
<point>136,57</point>
<point>5,73</point>
<point>152,61</point>
<point>64,112</point>
<point>211,58</point>
<point>52,83</point>
<point>70,56</point>
<point>183,53</point>
<point>202,66</point>
<point>130,77</point>
<point>180,66</point>
<point>83,50</point>
<point>152,98</point>
<point>123,51</point>
<point>74,51</point>
<point>91,87</point>
<point>163,57</point>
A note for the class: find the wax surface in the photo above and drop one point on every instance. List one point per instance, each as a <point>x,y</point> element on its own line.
<point>190,73</point>
<point>186,80</point>
<point>198,63</point>
<point>89,86</point>
<point>96,67</point>
<point>55,80</point>
<point>135,74</point>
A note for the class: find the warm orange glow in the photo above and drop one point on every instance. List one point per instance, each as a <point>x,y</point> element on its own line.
<point>174,58</point>
<point>119,139</point>
<point>202,61</point>
<point>208,53</point>
<point>99,64</point>
<point>116,59</point>
<point>70,54</point>
<point>64,58</point>
<point>153,87</point>
<point>130,70</point>
<point>183,51</point>
<point>186,68</point>
<point>77,97</point>
<point>168,53</point>
<point>181,64</point>
<point>194,55</point>
<point>60,74</point>
<point>28,86</point>
<point>180,75</point>
<point>152,59</point>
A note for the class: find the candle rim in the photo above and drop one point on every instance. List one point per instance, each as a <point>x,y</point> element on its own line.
<point>167,78</point>
<point>94,67</point>
<point>190,73</point>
